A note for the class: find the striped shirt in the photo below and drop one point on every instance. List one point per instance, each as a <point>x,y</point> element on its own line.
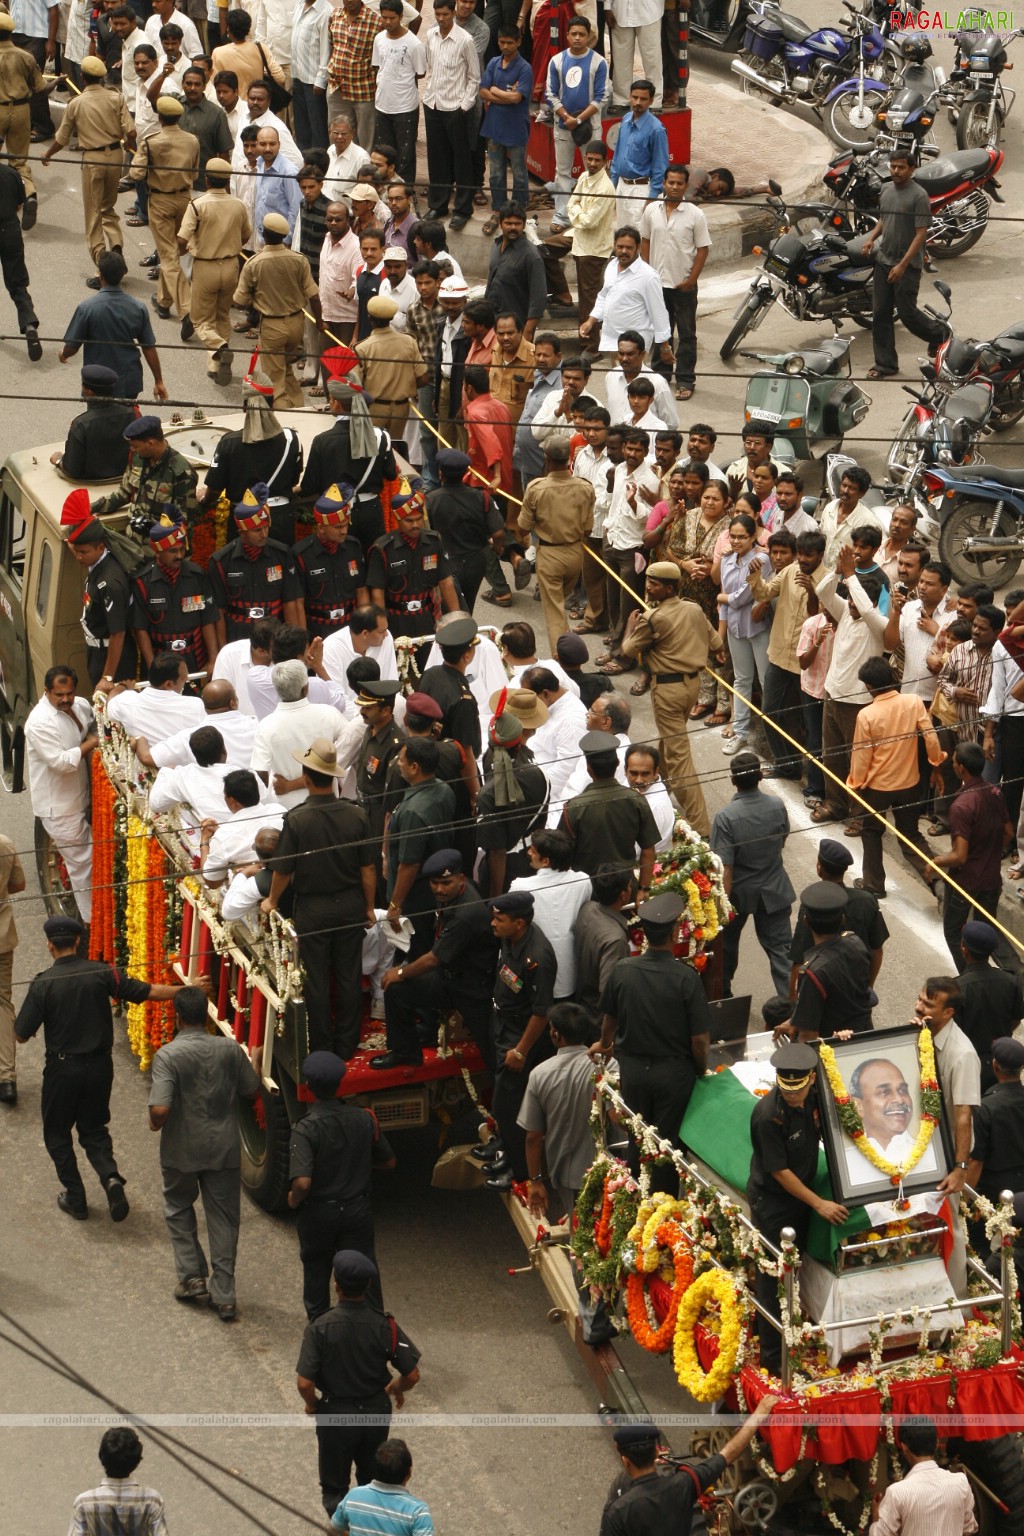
<point>349,71</point>
<point>382,1509</point>
<point>928,1502</point>
<point>311,231</point>
<point>311,42</point>
<point>453,71</point>
<point>967,666</point>
<point>118,1507</point>
<point>422,325</point>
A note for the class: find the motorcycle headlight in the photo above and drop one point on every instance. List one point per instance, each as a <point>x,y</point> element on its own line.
<point>794,364</point>
<point>945,456</point>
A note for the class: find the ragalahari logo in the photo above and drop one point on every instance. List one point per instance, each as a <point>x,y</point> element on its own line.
<point>951,21</point>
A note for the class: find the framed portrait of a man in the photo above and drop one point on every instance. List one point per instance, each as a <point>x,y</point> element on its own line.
<point>882,1117</point>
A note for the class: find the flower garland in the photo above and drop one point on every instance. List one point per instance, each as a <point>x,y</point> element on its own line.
<point>137,927</point>
<point>853,1125</point>
<point>714,1286</point>
<point>210,532</point>
<point>696,874</point>
<point>104,801</point>
<point>658,1340</point>
<point>605,1211</point>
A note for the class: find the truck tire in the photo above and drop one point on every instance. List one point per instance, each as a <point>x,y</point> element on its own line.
<point>999,1465</point>
<point>58,896</point>
<point>974,518</point>
<point>266,1134</point>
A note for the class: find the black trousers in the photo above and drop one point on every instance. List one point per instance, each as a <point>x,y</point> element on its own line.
<point>956,912</point>
<point>12,258</point>
<point>682,317</point>
<point>509,1090</point>
<point>39,106</point>
<point>769,1221</point>
<point>449,161</point>
<point>399,129</point>
<point>1010,733</point>
<point>339,1446</point>
<point>783,701</point>
<point>310,115</point>
<point>468,571</point>
<point>411,1009</point>
<point>324,1228</point>
<point>658,1089</point>
<point>367,521</point>
<point>900,297</point>
<point>905,806</point>
<point>76,1096</point>
<point>331,954</point>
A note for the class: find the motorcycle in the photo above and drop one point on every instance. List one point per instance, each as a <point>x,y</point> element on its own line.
<point>959,186</point>
<point>806,397</point>
<point>817,275</point>
<point>985,102</point>
<point>1000,361</point>
<point>908,118</point>
<point>980,511</point>
<point>786,60</point>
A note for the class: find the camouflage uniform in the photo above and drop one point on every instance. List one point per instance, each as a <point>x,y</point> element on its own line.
<point>148,489</point>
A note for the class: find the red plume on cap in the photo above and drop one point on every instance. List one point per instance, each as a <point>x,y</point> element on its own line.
<point>76,509</point>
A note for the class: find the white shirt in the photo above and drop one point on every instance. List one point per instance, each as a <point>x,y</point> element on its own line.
<point>675,238</point>
<point>58,774</point>
<point>916,645</point>
<point>557,897</point>
<point>594,467</point>
<point>404,295</point>
<point>663,811</point>
<point>579,779</point>
<point>191,46</point>
<point>663,405</point>
<point>233,662</point>
<point>549,422</point>
<point>198,792</point>
<point>232,843</point>
<point>293,726</point>
<point>453,71</point>
<point>311,42</point>
<point>241,900</point>
<point>238,732</point>
<point>342,170</point>
<point>351,740</point>
<point>929,1501</point>
<point>839,533</point>
<point>637,13</point>
<point>856,639</point>
<point>399,63</point>
<point>1005,673</point>
<point>268,119</point>
<point>556,746</point>
<point>631,300</point>
<point>129,79</point>
<point>265,698</point>
<point>624,526</point>
<point>156,713</point>
<point>339,652</point>
<point>564,680</point>
<point>275,29</point>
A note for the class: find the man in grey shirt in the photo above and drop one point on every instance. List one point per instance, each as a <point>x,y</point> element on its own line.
<point>749,835</point>
<point>904,213</point>
<point>601,934</point>
<point>197,1078</point>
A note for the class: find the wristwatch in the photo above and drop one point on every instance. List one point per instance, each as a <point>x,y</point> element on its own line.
<point>964,1166</point>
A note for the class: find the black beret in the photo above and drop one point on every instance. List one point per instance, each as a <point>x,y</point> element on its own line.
<point>143,426</point>
<point>446,861</point>
<point>452,459</point>
<point>834,854</point>
<point>514,903</point>
<point>979,937</point>
<point>63,927</point>
<point>1009,1053</point>
<point>323,1070</point>
<point>635,1434</point>
<point>353,1270</point>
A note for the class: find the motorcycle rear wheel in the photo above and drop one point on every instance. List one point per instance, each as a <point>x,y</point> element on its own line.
<point>763,67</point>
<point>971,519</point>
<point>972,130</point>
<point>1008,405</point>
<point>848,133</point>
<point>745,321</point>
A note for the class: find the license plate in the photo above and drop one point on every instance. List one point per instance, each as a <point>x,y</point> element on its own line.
<point>773,416</point>
<point>982,74</point>
<point>780,269</point>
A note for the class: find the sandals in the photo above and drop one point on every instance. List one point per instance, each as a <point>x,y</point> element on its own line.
<point>700,710</point>
<point>586,629</point>
<point>134,223</point>
<point>641,686</point>
<point>316,391</point>
<point>882,373</point>
<point>616,668</point>
<point>824,813</point>
<point>480,199</point>
<point>719,717</point>
<point>684,392</point>
<point>491,225</point>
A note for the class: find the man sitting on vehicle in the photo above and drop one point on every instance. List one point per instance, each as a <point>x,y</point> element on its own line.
<point>237,730</point>
<point>229,843</point>
<point>195,790</point>
<point>161,709</point>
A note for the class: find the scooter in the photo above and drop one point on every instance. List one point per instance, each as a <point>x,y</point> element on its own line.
<point>808,396</point>
<point>786,60</point>
<point>980,512</point>
<point>959,187</point>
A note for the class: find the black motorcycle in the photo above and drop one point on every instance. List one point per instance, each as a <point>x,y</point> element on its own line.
<point>959,187</point>
<point>981,59</point>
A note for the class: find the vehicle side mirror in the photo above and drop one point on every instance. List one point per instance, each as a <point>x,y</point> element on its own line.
<point>945,290</point>
<point>775,186</point>
<point>809,505</point>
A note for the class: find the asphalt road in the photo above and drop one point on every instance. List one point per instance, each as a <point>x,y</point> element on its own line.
<point>100,1296</point>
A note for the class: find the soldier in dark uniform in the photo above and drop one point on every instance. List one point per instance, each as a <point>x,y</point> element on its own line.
<point>71,1001</point>
<point>862,914</point>
<point>455,767</point>
<point>262,452</point>
<point>834,990</point>
<point>468,520</point>
<point>514,797</point>
<point>408,573</point>
<point>990,999</point>
<point>331,565</point>
<point>785,1133</point>
<point>157,476</point>
<point>523,996</point>
<point>656,1014</point>
<point>106,598</point>
<point>12,257</point>
<point>95,448</point>
<point>324,856</point>
<point>344,1358</point>
<point>608,822</point>
<point>460,713</point>
<point>378,783</point>
<point>353,450</point>
<point>172,603</point>
<point>997,1156</point>
<point>335,1148</point>
<point>253,577</point>
<point>421,824</point>
<point>457,972</point>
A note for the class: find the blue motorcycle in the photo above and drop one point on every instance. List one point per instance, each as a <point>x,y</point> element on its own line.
<point>980,512</point>
<point>786,60</point>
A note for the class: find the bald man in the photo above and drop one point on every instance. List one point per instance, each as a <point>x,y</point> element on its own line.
<point>238,730</point>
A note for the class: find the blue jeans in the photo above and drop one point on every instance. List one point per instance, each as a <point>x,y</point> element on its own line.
<point>813,711</point>
<point>749,658</point>
<point>502,156</point>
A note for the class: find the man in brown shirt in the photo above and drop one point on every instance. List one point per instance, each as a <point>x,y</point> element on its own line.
<point>279,284</point>
<point>99,119</point>
<point>12,881</point>
<point>512,365</point>
<point>674,638</point>
<point>559,508</point>
<point>215,228</point>
<point>20,79</point>
<point>168,161</point>
<point>393,368</point>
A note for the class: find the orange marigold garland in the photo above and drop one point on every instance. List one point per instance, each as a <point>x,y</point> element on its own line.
<point>658,1340</point>
<point>101,931</point>
<point>387,491</point>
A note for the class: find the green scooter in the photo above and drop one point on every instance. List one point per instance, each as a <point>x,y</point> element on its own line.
<point>807,396</point>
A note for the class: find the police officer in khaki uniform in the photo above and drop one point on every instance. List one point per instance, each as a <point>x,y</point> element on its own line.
<point>392,367</point>
<point>168,162</point>
<point>215,228</point>
<point>559,508</point>
<point>279,284</point>
<point>20,79</point>
<point>99,119</point>
<point>674,638</point>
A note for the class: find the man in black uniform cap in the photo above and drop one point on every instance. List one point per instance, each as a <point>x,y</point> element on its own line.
<point>749,835</point>
<point>468,520</point>
<point>784,1132</point>
<point>106,599</point>
<point>324,855</point>
<point>656,1014</point>
<point>460,713</point>
<point>345,1357</point>
<point>834,990</point>
<point>331,565</point>
<point>95,447</point>
<point>990,1003</point>
<point>863,916</point>
<point>456,973</point>
<point>12,257</point>
<point>609,822</point>
<point>656,1504</point>
<point>71,1001</point>
<point>455,767</point>
<point>376,765</point>
<point>421,824</point>
<point>523,995</point>
<point>253,577</point>
<point>408,573</point>
<point>335,1147</point>
<point>173,608</point>
<point>157,476</point>
<point>355,451</point>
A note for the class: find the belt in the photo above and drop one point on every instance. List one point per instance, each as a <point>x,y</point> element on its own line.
<point>214,258</point>
<point>636,181</point>
<point>290,315</point>
<point>92,149</point>
<point>22,102</point>
<point>675,677</point>
<point>558,543</point>
<point>380,400</point>
<point>73,1055</point>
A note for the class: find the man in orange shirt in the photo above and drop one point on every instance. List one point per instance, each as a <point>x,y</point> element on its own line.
<point>884,770</point>
<point>489,429</point>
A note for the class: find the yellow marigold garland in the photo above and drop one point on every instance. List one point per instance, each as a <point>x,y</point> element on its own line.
<point>705,1386</point>
<point>853,1125</point>
<point>669,1237</point>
